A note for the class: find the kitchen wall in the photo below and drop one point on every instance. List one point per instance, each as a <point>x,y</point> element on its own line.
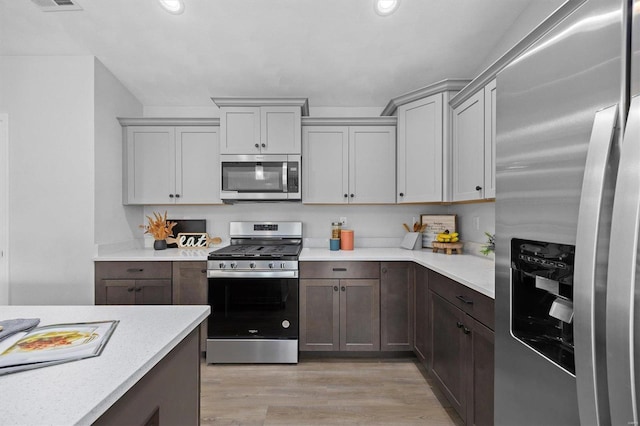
<point>377,224</point>
<point>370,221</point>
<point>214,111</point>
<point>530,18</point>
<point>113,222</point>
<point>61,115</point>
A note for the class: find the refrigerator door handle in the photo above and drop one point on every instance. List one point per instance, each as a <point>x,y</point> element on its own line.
<point>588,275</point>
<point>622,277</point>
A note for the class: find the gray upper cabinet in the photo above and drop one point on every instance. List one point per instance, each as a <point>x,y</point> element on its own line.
<point>420,150</point>
<point>325,164</point>
<point>170,162</point>
<point>260,126</point>
<point>468,149</point>
<point>473,146</point>
<point>424,140</point>
<point>490,139</point>
<point>349,164</point>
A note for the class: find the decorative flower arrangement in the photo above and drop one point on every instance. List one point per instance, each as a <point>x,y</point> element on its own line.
<point>490,247</point>
<point>159,227</point>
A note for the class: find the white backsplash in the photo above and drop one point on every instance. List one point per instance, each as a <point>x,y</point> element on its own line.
<point>373,225</point>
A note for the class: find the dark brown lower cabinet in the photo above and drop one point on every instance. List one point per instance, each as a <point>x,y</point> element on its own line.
<point>396,306</point>
<point>450,348</point>
<point>480,406</point>
<point>191,287</point>
<point>462,349</point>
<point>133,283</point>
<point>421,346</point>
<point>339,315</point>
<point>169,394</point>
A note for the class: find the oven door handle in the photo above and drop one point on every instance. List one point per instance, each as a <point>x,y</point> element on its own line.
<point>251,274</point>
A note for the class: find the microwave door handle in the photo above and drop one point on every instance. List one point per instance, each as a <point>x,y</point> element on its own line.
<point>285,172</point>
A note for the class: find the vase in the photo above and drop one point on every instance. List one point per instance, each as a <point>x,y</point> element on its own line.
<point>160,244</point>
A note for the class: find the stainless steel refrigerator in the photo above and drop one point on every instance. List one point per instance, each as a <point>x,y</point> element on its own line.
<point>567,223</point>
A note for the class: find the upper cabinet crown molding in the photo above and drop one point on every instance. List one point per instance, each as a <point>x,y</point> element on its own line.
<point>303,103</point>
<point>349,121</point>
<point>453,84</point>
<point>174,121</point>
<point>490,73</point>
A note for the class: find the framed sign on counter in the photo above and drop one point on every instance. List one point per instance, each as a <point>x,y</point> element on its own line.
<point>435,224</point>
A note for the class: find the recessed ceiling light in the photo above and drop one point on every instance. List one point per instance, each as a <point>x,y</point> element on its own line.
<point>385,7</point>
<point>173,6</point>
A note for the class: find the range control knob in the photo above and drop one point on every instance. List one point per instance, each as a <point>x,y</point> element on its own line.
<point>283,265</point>
<point>252,265</point>
<point>222,265</point>
<point>271,265</point>
<point>234,265</point>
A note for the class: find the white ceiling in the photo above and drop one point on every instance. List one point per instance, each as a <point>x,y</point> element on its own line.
<point>334,52</point>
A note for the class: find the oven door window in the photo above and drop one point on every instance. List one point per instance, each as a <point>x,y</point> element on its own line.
<point>253,307</point>
<point>253,177</point>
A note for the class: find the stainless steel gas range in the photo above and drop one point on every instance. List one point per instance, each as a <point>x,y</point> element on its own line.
<point>253,293</point>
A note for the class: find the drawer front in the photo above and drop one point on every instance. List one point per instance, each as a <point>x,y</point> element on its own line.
<point>133,270</point>
<point>340,270</point>
<point>470,301</point>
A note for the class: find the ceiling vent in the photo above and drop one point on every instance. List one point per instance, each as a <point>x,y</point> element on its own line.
<point>57,5</point>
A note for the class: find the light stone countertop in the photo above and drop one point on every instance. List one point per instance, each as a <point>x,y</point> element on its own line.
<point>473,271</point>
<point>79,392</point>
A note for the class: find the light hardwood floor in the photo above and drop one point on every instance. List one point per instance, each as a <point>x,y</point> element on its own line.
<point>322,392</point>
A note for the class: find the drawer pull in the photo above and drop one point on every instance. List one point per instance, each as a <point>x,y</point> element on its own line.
<point>465,300</point>
<point>339,269</point>
<point>135,269</point>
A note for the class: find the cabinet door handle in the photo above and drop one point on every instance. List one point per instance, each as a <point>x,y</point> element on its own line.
<point>465,330</point>
<point>343,288</point>
<point>339,269</point>
<point>135,269</point>
<point>402,194</point>
<point>130,289</point>
<point>345,195</point>
<point>257,146</point>
<point>264,145</point>
<point>170,195</point>
<point>465,300</point>
<point>459,324</point>
<point>384,270</point>
<point>204,271</point>
<point>335,288</point>
<point>352,195</point>
<point>177,195</point>
<point>478,188</point>
<point>138,289</point>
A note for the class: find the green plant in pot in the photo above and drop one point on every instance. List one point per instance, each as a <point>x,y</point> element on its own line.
<point>490,247</point>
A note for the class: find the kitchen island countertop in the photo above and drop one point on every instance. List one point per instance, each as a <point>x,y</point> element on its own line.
<point>79,392</point>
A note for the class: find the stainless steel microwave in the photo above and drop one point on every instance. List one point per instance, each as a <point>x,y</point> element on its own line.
<point>260,177</point>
